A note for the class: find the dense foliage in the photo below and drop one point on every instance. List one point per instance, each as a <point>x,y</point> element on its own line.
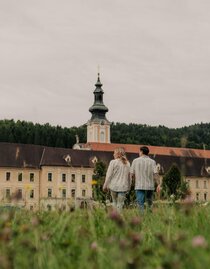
<point>194,136</point>
<point>99,178</point>
<point>173,184</point>
<point>170,238</point>
<point>30,133</point>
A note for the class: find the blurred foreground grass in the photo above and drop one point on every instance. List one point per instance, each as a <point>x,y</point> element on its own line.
<point>170,237</point>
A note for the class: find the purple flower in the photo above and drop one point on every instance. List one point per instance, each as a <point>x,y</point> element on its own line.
<point>199,241</point>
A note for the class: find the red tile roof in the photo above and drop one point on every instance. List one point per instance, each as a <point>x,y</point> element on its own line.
<point>154,150</point>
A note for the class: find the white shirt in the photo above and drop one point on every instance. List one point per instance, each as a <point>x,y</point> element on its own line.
<point>117,176</point>
<point>144,169</point>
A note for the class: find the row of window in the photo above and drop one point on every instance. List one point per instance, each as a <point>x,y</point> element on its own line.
<point>19,194</point>
<point>49,193</point>
<point>64,177</point>
<point>20,176</point>
<point>63,193</point>
<point>49,177</point>
<point>204,184</point>
<point>198,196</point>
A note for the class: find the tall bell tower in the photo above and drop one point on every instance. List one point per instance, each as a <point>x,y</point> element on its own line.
<point>98,127</point>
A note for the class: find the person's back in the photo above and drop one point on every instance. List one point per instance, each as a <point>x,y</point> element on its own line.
<point>144,168</point>
<point>118,178</point>
<point>120,174</point>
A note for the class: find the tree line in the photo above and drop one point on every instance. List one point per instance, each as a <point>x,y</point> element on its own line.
<point>194,136</point>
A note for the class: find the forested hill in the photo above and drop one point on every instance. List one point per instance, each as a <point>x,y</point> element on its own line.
<point>194,136</point>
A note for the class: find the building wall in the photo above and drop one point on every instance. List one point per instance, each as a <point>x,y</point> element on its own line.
<point>200,188</point>
<point>15,182</point>
<point>67,185</point>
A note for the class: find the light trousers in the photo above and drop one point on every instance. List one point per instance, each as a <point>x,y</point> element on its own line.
<point>118,199</point>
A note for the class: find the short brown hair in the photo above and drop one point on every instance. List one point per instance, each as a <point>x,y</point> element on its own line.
<point>145,150</point>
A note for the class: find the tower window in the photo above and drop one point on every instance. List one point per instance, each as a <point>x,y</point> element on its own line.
<point>102,136</point>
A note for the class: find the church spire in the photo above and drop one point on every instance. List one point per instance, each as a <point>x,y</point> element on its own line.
<point>98,126</point>
<point>98,109</point>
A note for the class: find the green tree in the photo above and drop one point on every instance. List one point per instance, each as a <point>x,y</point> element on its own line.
<point>172,181</point>
<point>99,175</point>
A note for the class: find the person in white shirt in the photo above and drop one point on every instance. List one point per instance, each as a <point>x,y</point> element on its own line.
<point>144,171</point>
<point>118,178</point>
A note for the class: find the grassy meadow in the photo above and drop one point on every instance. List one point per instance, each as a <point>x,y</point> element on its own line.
<point>169,237</point>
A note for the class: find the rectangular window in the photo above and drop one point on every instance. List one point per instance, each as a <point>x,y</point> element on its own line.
<point>63,177</point>
<point>49,176</point>
<point>49,193</point>
<point>197,184</point>
<point>73,193</point>
<point>205,196</point>
<point>31,177</point>
<point>8,175</point>
<point>63,193</point>
<point>83,193</point>
<point>83,178</point>
<point>205,185</point>
<point>73,178</point>
<point>20,194</point>
<point>7,194</point>
<point>31,193</point>
<point>197,196</point>
<point>20,176</point>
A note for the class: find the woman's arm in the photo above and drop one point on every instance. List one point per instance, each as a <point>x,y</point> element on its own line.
<point>108,176</point>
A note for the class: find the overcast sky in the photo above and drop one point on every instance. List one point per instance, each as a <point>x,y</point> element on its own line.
<point>154,58</point>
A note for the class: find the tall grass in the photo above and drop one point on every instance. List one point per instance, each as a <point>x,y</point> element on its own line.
<point>170,237</point>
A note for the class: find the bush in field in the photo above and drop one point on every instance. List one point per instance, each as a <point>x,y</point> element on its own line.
<point>173,184</point>
<point>99,175</point>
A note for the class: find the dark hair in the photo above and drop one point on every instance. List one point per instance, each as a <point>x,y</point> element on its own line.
<point>145,150</point>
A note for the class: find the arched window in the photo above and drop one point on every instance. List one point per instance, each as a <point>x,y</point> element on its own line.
<point>102,136</point>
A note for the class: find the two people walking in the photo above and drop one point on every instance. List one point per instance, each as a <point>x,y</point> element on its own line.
<point>120,174</point>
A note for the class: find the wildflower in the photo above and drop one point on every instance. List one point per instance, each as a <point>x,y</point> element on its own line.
<point>199,241</point>
<point>188,201</point>
<point>94,246</point>
<point>6,234</point>
<point>35,221</point>
<point>123,244</point>
<point>116,217</point>
<point>135,239</point>
<point>24,228</point>
<point>135,221</point>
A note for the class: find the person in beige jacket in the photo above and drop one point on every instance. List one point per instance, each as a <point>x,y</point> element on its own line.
<point>118,178</point>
